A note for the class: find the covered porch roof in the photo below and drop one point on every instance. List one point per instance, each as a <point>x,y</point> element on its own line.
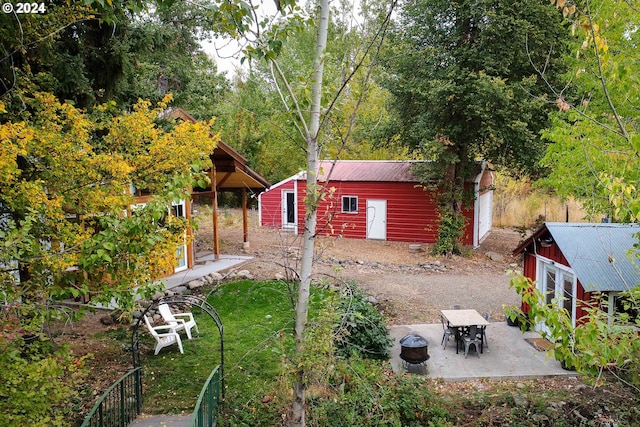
<point>230,172</point>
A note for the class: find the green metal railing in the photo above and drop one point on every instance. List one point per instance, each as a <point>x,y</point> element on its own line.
<point>206,411</point>
<point>120,404</point>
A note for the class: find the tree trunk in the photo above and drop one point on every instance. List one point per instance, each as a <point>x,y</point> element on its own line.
<point>311,204</point>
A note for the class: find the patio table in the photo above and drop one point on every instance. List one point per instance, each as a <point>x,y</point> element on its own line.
<point>461,319</point>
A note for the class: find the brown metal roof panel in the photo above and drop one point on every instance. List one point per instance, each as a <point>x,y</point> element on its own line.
<point>367,170</point>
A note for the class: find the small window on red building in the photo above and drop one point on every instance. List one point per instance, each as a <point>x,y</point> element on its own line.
<point>349,204</point>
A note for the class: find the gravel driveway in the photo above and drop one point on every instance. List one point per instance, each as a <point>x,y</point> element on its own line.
<point>410,287</point>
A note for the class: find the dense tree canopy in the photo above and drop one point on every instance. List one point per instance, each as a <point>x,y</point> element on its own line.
<point>594,156</point>
<point>259,117</point>
<point>465,86</point>
<point>80,54</point>
<point>65,180</point>
<point>74,141</point>
<point>595,134</point>
<point>465,83</point>
<point>468,80</point>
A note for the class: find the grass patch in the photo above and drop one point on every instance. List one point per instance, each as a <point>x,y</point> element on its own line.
<point>172,381</point>
<point>258,320</point>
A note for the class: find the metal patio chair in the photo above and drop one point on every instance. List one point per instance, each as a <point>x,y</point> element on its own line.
<point>471,338</point>
<point>448,332</point>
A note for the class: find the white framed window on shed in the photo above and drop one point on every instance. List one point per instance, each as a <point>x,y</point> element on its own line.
<point>350,204</point>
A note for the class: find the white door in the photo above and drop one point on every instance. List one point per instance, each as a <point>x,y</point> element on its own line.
<point>178,210</point>
<point>377,219</point>
<point>485,214</point>
<point>288,210</point>
<point>560,285</point>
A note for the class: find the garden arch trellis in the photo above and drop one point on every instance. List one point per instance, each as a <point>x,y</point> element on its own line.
<point>188,300</point>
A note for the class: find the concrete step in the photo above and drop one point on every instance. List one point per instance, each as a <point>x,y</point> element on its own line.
<point>162,420</point>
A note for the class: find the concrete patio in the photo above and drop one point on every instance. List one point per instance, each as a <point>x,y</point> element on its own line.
<point>509,355</point>
<point>206,264</point>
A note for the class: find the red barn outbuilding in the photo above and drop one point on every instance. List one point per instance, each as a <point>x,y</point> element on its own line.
<point>375,199</point>
<point>575,262</point>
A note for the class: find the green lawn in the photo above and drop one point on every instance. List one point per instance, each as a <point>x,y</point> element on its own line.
<point>257,320</point>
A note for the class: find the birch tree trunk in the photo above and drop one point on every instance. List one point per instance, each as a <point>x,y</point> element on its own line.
<point>311,204</point>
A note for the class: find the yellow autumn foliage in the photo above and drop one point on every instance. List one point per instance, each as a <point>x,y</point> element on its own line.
<point>65,185</point>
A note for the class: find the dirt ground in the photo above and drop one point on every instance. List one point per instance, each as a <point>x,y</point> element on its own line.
<point>410,287</point>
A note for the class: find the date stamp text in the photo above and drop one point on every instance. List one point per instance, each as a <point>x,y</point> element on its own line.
<point>24,8</point>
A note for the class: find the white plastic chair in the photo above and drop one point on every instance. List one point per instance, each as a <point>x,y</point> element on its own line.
<point>164,339</point>
<point>179,320</point>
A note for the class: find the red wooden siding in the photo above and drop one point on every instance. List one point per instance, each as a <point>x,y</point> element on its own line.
<point>271,207</point>
<point>411,212</point>
<point>553,253</point>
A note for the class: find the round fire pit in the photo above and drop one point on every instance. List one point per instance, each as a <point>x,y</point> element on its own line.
<point>414,350</point>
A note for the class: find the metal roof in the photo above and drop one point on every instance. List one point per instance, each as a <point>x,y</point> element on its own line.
<point>367,170</point>
<point>380,170</point>
<point>599,254</point>
<point>232,168</point>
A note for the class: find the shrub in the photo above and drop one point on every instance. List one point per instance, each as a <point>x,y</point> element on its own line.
<point>365,394</point>
<point>361,328</point>
<point>450,230</point>
<point>38,385</point>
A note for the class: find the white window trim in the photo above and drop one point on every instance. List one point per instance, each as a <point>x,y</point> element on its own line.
<point>182,248</point>
<point>350,197</point>
<point>283,196</point>
<point>541,261</point>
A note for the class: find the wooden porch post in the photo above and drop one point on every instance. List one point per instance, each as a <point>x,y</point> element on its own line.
<point>214,206</point>
<point>245,225</point>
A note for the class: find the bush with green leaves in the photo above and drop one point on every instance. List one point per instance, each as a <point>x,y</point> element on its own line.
<point>362,393</point>
<point>450,231</point>
<point>361,328</point>
<point>38,384</point>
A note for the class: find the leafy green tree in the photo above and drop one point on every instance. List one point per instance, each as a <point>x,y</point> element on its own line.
<point>255,122</point>
<point>205,91</point>
<point>163,55</point>
<point>595,141</point>
<point>68,50</point>
<point>251,120</point>
<point>463,75</point>
<point>67,228</point>
<point>594,156</point>
<point>89,55</point>
<point>65,179</point>
<point>310,105</point>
